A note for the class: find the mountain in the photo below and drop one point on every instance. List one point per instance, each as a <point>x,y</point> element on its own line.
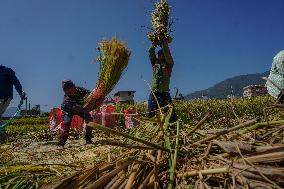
<point>10,112</point>
<point>224,88</point>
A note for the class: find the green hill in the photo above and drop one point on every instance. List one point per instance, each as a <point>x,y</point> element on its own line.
<point>224,88</point>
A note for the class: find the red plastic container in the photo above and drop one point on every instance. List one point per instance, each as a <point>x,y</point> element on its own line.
<point>108,119</point>
<point>55,119</point>
<point>57,124</point>
<point>77,123</point>
<point>130,118</point>
<point>97,116</point>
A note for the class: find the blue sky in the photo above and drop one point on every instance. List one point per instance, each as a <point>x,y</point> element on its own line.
<point>45,41</point>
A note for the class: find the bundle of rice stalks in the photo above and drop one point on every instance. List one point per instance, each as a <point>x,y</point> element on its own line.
<point>160,22</point>
<point>113,58</point>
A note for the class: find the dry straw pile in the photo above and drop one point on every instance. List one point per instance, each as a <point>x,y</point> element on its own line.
<point>175,155</point>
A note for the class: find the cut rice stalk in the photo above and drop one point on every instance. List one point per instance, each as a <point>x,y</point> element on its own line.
<point>114,57</point>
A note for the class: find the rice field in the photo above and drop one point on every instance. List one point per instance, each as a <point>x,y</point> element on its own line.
<point>155,154</point>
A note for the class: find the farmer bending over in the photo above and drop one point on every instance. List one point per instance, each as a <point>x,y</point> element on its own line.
<point>73,105</point>
<point>162,69</point>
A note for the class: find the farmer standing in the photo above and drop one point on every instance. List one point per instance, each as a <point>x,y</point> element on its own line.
<point>162,69</point>
<point>275,83</point>
<point>8,79</point>
<point>73,105</point>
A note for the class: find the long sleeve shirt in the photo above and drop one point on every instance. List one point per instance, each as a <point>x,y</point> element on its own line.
<point>74,105</point>
<point>161,70</point>
<point>8,79</point>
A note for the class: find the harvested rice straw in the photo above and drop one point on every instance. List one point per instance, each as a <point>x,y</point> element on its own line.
<point>160,22</point>
<point>114,56</point>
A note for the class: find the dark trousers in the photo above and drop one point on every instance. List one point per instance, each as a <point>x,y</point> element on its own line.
<point>163,99</point>
<point>67,119</point>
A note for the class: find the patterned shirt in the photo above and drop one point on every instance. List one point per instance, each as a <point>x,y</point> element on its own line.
<point>276,75</point>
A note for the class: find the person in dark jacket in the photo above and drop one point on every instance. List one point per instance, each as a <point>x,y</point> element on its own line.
<point>162,70</point>
<point>73,105</point>
<point>8,79</point>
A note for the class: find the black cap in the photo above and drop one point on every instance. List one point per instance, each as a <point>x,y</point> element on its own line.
<point>67,83</point>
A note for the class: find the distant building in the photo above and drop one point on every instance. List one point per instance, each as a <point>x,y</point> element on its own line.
<point>124,97</point>
<point>231,96</point>
<point>254,90</point>
<point>35,111</point>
